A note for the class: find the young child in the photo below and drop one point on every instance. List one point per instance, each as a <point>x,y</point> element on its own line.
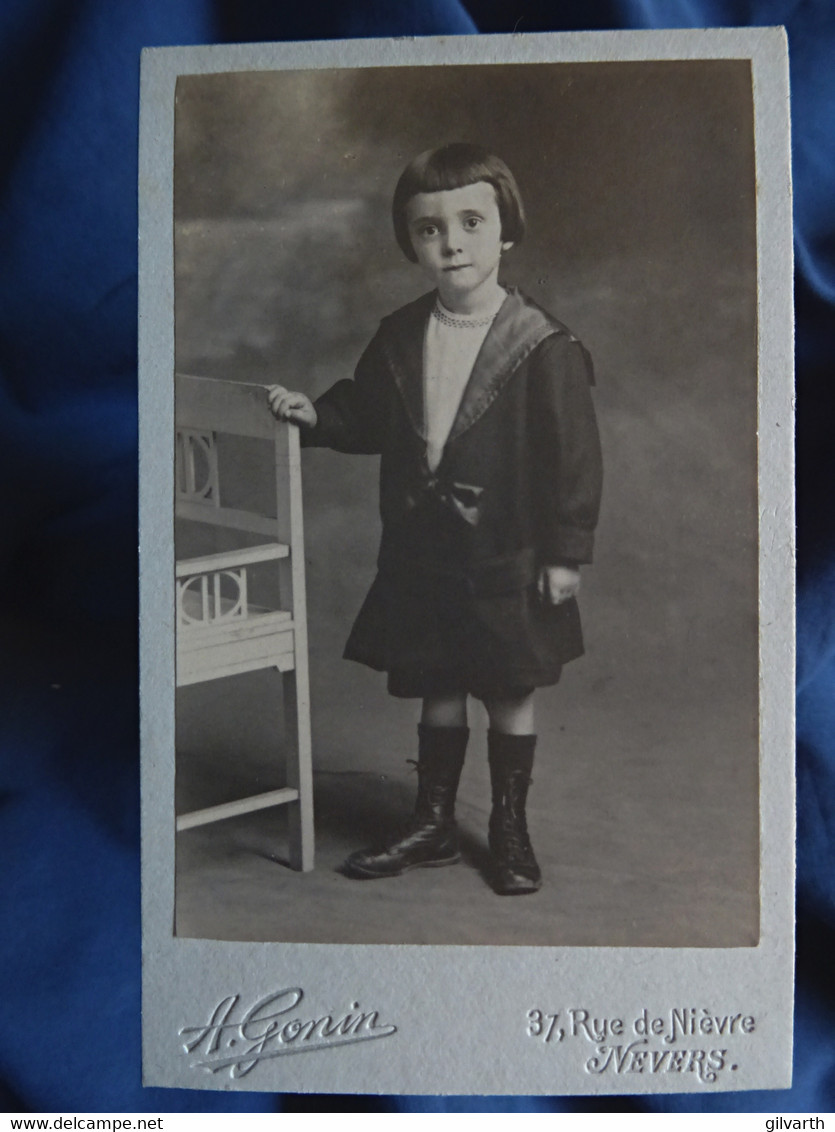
<point>478,402</point>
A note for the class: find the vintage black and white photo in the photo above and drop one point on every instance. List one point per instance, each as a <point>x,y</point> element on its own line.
<point>637,272</point>
<point>465,415</point>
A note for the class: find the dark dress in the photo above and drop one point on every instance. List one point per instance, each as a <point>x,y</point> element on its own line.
<point>454,606</point>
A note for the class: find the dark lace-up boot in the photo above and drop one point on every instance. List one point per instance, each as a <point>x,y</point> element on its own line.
<point>431,839</point>
<point>516,871</point>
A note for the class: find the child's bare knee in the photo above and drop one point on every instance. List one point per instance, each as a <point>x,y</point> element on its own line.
<point>445,711</point>
<point>512,714</point>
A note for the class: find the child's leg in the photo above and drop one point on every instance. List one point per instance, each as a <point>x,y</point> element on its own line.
<point>431,838</point>
<point>513,715</point>
<point>510,745</point>
<point>444,711</point>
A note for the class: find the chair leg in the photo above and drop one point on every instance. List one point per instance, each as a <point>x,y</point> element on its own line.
<point>299,776</point>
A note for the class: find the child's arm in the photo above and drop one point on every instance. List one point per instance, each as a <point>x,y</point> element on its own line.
<point>350,417</point>
<point>567,467</point>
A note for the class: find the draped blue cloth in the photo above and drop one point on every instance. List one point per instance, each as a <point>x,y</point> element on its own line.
<point>70,932</point>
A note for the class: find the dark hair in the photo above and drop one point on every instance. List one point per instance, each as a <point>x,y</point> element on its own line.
<point>453,166</point>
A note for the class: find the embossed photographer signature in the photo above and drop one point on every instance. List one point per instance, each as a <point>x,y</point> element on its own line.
<point>265,1031</point>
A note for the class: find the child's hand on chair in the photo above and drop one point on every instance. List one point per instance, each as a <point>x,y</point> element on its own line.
<point>557,584</point>
<point>294,407</point>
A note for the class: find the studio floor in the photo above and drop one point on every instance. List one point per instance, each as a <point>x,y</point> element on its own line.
<point>646,833</point>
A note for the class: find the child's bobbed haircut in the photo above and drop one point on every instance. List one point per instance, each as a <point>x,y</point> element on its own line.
<point>453,166</point>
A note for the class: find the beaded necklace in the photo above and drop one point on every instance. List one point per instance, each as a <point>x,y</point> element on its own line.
<point>461,322</point>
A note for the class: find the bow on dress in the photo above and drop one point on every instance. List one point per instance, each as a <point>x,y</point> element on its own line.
<point>460,498</point>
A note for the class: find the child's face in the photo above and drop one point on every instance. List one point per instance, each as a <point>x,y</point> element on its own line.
<point>457,237</point>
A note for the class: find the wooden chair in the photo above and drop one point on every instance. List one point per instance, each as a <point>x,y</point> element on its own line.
<point>223,628</point>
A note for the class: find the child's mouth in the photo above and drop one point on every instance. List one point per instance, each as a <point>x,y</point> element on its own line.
<point>456,267</point>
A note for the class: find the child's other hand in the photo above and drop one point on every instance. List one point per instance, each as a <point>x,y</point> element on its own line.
<point>557,584</point>
<point>288,406</point>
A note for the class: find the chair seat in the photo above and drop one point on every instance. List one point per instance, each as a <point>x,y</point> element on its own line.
<point>262,640</point>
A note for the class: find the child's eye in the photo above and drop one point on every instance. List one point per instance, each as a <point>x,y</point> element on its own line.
<point>472,222</point>
<point>428,230</point>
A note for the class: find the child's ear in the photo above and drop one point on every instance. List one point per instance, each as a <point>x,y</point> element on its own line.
<point>507,245</point>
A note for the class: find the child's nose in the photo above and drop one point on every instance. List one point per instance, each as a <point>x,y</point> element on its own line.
<point>453,243</point>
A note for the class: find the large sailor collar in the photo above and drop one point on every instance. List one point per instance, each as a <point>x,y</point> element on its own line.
<point>519,327</point>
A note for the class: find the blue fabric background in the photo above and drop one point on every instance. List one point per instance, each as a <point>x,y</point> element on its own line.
<point>70,934</point>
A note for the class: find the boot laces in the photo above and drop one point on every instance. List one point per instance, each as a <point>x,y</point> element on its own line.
<point>515,839</point>
<point>512,828</point>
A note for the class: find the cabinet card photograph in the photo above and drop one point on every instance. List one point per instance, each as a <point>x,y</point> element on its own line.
<point>467,575</point>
